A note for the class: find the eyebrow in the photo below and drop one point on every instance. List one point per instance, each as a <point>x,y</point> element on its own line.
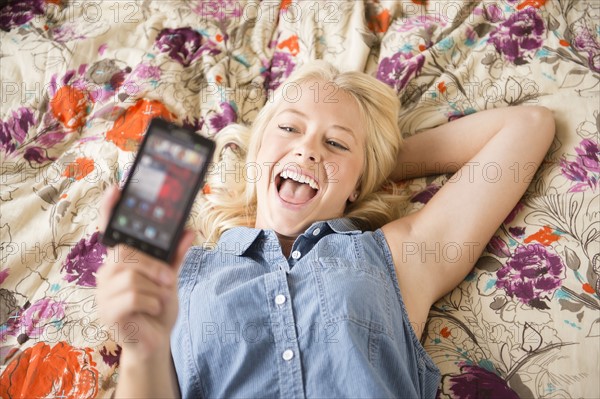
<point>302,114</point>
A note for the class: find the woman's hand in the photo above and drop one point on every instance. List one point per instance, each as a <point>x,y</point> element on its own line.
<point>138,293</point>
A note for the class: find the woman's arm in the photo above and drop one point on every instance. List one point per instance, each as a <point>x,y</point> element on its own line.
<point>494,155</point>
<point>139,293</point>
<point>446,148</point>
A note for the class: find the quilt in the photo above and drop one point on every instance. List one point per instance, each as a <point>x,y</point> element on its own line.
<point>80,80</point>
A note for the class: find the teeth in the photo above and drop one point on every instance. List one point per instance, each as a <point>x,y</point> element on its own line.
<point>292,174</point>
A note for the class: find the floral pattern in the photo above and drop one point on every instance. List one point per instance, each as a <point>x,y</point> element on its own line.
<point>84,260</point>
<point>519,36</point>
<point>19,12</point>
<point>398,69</point>
<point>531,272</point>
<point>584,170</point>
<point>184,45</point>
<point>80,84</point>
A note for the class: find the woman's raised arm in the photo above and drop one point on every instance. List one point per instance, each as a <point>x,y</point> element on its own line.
<point>494,155</point>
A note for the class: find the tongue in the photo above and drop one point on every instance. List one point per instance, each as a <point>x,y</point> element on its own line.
<point>294,192</point>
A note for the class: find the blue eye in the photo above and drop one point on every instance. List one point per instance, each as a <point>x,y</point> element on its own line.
<point>337,145</point>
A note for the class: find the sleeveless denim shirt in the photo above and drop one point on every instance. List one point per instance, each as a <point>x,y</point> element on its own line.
<point>327,322</point>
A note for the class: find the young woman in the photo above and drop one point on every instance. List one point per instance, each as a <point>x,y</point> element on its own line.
<point>316,286</point>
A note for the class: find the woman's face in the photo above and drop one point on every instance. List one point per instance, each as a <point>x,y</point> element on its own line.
<point>310,160</point>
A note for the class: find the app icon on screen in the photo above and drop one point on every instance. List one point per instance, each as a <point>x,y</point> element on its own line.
<point>158,212</point>
<point>150,232</point>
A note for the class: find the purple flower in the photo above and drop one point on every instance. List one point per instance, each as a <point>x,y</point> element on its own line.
<point>498,247</point>
<point>573,170</point>
<point>19,12</point>
<point>519,36</point>
<point>4,274</point>
<point>477,382</point>
<point>36,318</point>
<point>511,216</point>
<point>37,155</point>
<point>147,71</point>
<point>66,33</point>
<point>516,231</point>
<point>14,130</point>
<point>493,13</point>
<point>397,70</point>
<point>184,45</point>
<point>194,123</point>
<point>84,260</point>
<point>585,40</point>
<point>530,273</point>
<point>585,169</point>
<point>282,66</point>
<point>228,116</point>
<point>588,153</point>
<point>425,22</point>
<point>110,358</point>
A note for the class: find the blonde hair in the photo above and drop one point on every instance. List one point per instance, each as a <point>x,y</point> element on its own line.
<point>231,201</point>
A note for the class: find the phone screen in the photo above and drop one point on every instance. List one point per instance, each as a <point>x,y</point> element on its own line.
<point>158,195</point>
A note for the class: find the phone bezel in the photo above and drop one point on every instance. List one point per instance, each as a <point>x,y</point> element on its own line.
<point>110,238</point>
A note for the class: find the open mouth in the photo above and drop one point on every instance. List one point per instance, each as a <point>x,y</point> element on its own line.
<point>296,188</point>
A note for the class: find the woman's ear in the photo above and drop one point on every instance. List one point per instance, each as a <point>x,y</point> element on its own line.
<point>353,196</point>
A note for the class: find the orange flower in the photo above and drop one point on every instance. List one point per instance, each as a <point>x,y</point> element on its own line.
<point>129,128</point>
<point>291,43</point>
<point>445,332</point>
<point>588,288</point>
<point>79,169</point>
<point>285,4</point>
<point>531,3</point>
<point>442,87</point>
<point>381,22</point>
<point>44,371</point>
<point>544,236</point>
<point>563,42</point>
<point>69,106</point>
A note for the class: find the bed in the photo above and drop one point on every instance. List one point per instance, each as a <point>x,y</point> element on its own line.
<point>80,80</point>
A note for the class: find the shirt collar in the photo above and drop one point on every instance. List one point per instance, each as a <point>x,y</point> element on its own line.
<point>237,240</point>
<point>343,226</point>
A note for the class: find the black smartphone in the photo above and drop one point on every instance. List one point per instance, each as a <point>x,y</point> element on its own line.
<point>157,197</point>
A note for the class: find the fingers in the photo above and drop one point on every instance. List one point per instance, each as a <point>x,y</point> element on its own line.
<point>137,286</point>
<point>123,258</point>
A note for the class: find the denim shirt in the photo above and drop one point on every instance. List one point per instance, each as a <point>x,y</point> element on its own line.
<point>328,321</point>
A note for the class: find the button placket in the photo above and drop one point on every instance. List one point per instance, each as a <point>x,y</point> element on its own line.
<point>286,351</point>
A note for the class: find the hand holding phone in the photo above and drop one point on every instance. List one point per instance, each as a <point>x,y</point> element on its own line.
<point>157,197</point>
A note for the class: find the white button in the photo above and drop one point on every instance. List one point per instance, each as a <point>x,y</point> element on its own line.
<point>296,254</point>
<point>316,231</point>
<point>280,299</point>
<point>288,354</point>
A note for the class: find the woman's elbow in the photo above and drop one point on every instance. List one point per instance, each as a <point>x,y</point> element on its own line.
<point>542,119</point>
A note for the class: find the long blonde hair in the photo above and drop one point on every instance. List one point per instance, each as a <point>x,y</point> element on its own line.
<point>231,201</point>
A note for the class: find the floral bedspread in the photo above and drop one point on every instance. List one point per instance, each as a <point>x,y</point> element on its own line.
<point>81,79</point>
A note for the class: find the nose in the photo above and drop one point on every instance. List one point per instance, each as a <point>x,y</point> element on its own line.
<point>308,149</point>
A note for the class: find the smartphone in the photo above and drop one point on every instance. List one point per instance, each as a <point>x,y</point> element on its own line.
<point>158,194</point>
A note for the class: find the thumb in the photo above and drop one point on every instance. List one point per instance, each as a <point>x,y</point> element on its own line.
<point>187,238</point>
<point>108,201</point>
